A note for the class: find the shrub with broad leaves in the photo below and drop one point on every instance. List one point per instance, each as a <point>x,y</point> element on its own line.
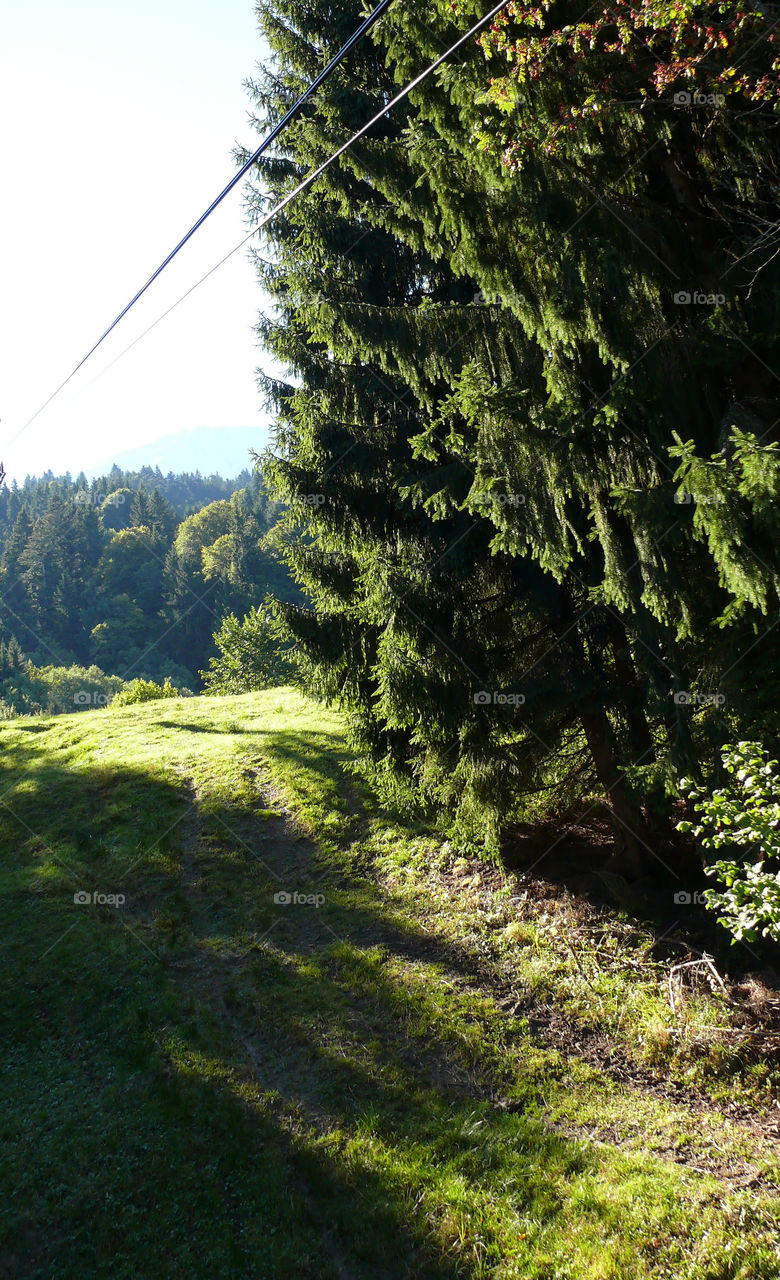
<point>742,818</point>
<point>146,691</point>
<point>252,655</point>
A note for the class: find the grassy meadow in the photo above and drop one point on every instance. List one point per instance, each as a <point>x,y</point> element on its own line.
<point>254,1025</point>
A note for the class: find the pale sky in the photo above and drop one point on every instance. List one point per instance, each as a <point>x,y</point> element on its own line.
<point>117,123</point>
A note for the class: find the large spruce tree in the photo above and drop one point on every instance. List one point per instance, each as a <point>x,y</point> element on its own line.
<point>488,371</point>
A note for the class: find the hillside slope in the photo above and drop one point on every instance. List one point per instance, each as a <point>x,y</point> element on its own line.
<point>222,451</point>
<point>297,1037</point>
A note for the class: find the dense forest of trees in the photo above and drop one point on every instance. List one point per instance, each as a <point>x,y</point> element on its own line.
<point>528,439</point>
<point>128,576</point>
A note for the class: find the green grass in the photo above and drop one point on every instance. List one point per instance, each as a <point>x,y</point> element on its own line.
<point>203,1082</point>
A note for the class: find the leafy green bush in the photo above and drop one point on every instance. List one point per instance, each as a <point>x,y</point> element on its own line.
<point>29,690</point>
<point>744,815</point>
<point>145,691</point>
<point>64,689</point>
<point>250,655</point>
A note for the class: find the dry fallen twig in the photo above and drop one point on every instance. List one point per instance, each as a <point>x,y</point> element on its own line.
<point>705,963</point>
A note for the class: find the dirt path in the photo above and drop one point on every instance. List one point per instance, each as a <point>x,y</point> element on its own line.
<point>282,847</point>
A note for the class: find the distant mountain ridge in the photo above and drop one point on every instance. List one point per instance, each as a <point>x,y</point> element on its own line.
<point>222,451</point>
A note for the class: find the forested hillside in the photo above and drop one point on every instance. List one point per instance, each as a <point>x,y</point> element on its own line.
<point>127,577</point>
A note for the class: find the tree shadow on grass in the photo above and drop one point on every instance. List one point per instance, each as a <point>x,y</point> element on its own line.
<point>340,765</point>
<point>99,811</point>
<point>195,726</point>
<point>257,1093</point>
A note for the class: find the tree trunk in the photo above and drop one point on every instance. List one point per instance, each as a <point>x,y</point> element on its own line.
<point>640,737</point>
<point>627,816</point>
<point>632,853</point>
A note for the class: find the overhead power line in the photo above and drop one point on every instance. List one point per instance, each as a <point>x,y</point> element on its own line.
<point>271,137</point>
<point>282,204</point>
<point>312,177</point>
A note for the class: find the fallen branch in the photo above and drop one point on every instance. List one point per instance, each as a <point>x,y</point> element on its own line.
<point>675,977</point>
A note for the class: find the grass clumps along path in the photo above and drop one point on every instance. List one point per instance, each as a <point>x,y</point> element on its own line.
<point>289,1035</point>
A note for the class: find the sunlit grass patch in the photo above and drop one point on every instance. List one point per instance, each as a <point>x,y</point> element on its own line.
<point>204,1080</point>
